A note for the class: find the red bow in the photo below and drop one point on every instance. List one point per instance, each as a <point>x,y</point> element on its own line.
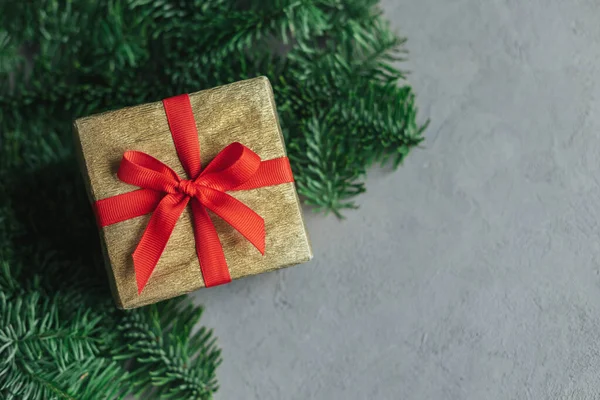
<point>166,195</point>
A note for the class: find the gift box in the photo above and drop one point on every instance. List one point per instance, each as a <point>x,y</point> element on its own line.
<point>191,192</point>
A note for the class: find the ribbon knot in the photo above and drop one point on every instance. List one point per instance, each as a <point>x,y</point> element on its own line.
<point>187,187</point>
<point>164,194</point>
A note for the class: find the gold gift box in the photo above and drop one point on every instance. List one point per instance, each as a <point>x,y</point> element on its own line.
<point>242,112</point>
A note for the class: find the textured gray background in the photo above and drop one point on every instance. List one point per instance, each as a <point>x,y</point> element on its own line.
<point>473,272</point>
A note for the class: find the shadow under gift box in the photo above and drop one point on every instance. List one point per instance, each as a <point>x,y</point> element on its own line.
<point>239,112</point>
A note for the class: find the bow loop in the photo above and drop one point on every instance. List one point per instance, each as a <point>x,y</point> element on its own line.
<point>147,172</point>
<point>233,166</point>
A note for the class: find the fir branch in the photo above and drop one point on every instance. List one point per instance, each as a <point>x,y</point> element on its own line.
<point>10,58</point>
<point>328,173</point>
<point>169,360</point>
<point>43,351</point>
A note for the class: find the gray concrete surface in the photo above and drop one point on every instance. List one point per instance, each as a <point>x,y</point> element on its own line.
<point>473,272</point>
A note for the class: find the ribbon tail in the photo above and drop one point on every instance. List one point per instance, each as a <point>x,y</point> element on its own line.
<point>238,215</point>
<point>156,236</point>
<point>208,247</point>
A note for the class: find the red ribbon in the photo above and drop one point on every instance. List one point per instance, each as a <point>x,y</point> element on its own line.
<point>166,195</point>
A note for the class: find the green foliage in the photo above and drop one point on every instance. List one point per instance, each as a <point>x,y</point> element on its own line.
<point>44,356</point>
<point>343,106</point>
<point>71,344</point>
<point>176,362</point>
